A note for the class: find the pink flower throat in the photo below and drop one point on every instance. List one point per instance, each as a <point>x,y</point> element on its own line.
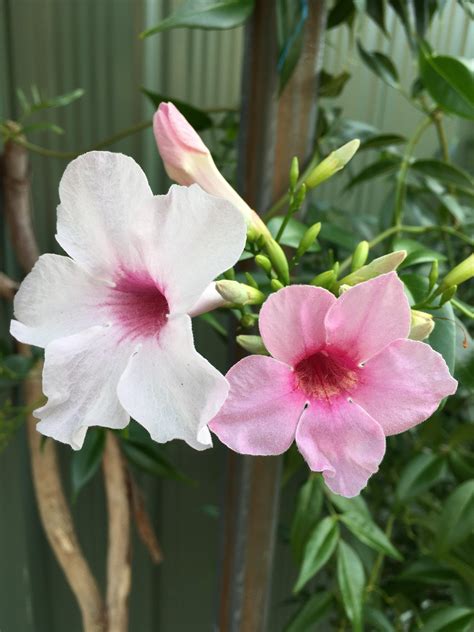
<point>322,376</point>
<point>138,305</point>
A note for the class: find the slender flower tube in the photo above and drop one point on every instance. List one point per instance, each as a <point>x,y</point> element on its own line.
<point>187,160</point>
<point>343,376</point>
<point>114,316</point>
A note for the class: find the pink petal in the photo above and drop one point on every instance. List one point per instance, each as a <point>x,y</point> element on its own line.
<point>341,440</point>
<point>368,317</point>
<point>262,410</point>
<point>403,385</point>
<point>292,321</point>
<point>170,389</point>
<point>80,378</point>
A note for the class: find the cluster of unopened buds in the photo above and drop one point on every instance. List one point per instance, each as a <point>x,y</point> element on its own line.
<point>338,365</point>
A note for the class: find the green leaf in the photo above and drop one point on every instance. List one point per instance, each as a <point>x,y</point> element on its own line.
<point>428,572</point>
<point>339,236</point>
<point>355,505</point>
<point>342,11</point>
<point>149,457</point>
<point>381,167</point>
<point>205,14</point>
<point>456,521</point>
<point>315,609</point>
<point>443,172</point>
<point>196,117</point>
<point>381,141</point>
<point>449,619</point>
<point>332,85</point>
<point>308,508</point>
<point>443,336</point>
<point>377,620</point>
<point>351,580</point>
<point>421,473</point>
<point>291,18</point>
<point>320,547</point>
<point>381,65</point>
<point>293,234</point>
<point>43,126</point>
<point>86,461</point>
<point>376,11</point>
<point>417,252</point>
<point>450,82</point>
<point>369,533</point>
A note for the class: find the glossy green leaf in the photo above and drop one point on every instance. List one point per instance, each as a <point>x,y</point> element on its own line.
<point>196,117</point>
<point>369,533</point>
<point>416,252</point>
<point>315,609</point>
<point>376,11</point>
<point>456,521</point>
<point>381,141</point>
<point>339,236</point>
<point>450,619</point>
<point>149,457</point>
<point>421,473</point>
<point>450,82</point>
<point>293,234</point>
<point>86,461</point>
<point>319,548</point>
<point>382,167</point>
<point>381,65</point>
<point>377,621</point>
<point>332,85</point>
<point>351,580</point>
<point>205,14</point>
<point>443,172</point>
<point>342,11</point>
<point>305,518</point>
<point>428,572</point>
<point>355,505</point>
<point>443,336</point>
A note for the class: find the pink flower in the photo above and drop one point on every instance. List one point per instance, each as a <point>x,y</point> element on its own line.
<point>114,318</point>
<point>343,376</point>
<point>187,160</point>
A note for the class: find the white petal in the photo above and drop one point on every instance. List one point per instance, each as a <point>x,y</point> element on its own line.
<point>80,379</point>
<point>192,237</point>
<point>170,389</point>
<point>101,195</point>
<point>57,299</point>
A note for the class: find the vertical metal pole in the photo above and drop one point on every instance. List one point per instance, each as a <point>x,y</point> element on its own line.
<point>272,131</point>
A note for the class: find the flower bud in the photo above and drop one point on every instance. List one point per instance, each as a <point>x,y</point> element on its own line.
<point>248,320</point>
<point>461,273</point>
<point>239,293</point>
<point>294,172</point>
<point>279,261</point>
<point>264,262</point>
<point>252,344</point>
<point>187,160</point>
<point>250,280</point>
<point>333,163</point>
<point>381,265</point>
<point>422,324</point>
<point>433,276</point>
<point>276,285</point>
<point>308,239</point>
<point>360,255</point>
<point>325,279</point>
<point>448,294</point>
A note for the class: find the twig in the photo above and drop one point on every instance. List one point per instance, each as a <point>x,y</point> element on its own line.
<point>8,287</point>
<point>118,559</point>
<point>54,512</point>
<point>143,522</point>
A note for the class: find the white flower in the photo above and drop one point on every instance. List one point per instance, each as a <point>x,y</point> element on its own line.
<point>114,318</point>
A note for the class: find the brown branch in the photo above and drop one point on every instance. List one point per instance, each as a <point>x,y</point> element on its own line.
<point>8,287</point>
<point>55,514</point>
<point>143,523</point>
<point>54,511</point>
<point>118,559</point>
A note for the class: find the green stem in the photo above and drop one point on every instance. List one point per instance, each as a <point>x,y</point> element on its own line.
<point>400,190</point>
<point>377,567</point>
<point>417,230</point>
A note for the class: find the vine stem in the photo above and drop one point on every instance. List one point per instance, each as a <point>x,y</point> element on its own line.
<point>400,190</point>
<point>417,230</point>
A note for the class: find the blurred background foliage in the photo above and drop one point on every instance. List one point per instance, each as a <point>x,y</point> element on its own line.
<point>399,76</point>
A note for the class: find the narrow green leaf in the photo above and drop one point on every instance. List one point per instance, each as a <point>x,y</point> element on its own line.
<point>369,533</point>
<point>443,172</point>
<point>382,167</point>
<point>456,521</point>
<point>428,572</point>
<point>315,609</point>
<point>417,252</point>
<point>351,580</point>
<point>308,508</point>
<point>332,85</point>
<point>450,81</point>
<point>421,473</point>
<point>205,14</point>
<point>377,620</point>
<point>381,141</point>
<point>450,619</point>
<point>196,117</point>
<point>376,11</point>
<point>443,336</point>
<point>86,462</point>
<point>354,505</point>
<point>381,65</point>
<point>342,11</point>
<point>149,457</point>
<point>320,547</point>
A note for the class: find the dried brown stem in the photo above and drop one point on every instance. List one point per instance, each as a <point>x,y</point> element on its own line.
<point>118,559</point>
<point>143,523</point>
<point>54,511</point>
<point>8,287</point>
